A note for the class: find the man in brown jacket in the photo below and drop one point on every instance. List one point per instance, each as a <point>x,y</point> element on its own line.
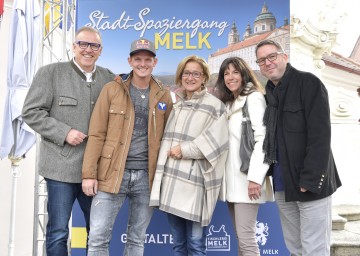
<point>120,158</point>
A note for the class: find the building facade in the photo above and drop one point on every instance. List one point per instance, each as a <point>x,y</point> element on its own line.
<point>264,28</point>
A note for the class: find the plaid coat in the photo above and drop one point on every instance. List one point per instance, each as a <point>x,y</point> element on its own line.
<point>190,187</point>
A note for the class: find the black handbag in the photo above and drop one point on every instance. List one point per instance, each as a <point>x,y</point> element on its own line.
<point>247,140</point>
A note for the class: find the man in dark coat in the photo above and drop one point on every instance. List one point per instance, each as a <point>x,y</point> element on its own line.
<point>297,143</point>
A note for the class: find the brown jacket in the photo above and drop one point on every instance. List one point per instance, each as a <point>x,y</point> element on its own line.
<point>111,128</point>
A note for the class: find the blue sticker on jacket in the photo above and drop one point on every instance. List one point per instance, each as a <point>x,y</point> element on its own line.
<point>162,105</point>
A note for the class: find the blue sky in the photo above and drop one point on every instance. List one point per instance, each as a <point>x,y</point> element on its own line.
<point>205,41</point>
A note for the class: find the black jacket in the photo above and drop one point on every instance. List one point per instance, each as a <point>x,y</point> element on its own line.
<point>304,137</point>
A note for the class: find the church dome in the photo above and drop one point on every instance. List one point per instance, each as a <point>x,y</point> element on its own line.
<point>265,21</point>
<point>265,16</point>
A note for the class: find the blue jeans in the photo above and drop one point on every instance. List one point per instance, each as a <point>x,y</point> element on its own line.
<point>61,198</point>
<point>189,237</point>
<point>105,207</point>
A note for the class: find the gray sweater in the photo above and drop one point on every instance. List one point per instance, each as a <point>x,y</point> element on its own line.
<point>60,99</point>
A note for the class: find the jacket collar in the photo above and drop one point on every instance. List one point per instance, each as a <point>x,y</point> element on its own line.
<point>284,80</point>
<point>238,104</point>
<point>80,72</point>
<point>157,89</point>
<point>196,95</point>
<point>126,78</point>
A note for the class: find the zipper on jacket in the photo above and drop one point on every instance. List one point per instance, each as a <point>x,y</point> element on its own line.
<point>154,122</point>
<point>191,168</point>
<point>153,112</point>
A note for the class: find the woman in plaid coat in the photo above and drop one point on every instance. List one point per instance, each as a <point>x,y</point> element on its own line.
<point>192,159</point>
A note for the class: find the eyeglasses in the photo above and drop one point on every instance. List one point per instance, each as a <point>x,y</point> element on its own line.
<point>271,57</point>
<point>194,74</point>
<point>84,45</point>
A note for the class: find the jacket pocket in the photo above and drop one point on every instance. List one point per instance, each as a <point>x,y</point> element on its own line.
<point>294,118</point>
<point>105,161</point>
<point>116,116</point>
<point>66,150</point>
<point>58,149</point>
<point>67,101</point>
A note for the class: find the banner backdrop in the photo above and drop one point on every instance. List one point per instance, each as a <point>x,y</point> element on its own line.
<point>213,31</point>
<point>221,237</point>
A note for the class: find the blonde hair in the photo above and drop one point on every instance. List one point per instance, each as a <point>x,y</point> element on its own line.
<point>192,58</point>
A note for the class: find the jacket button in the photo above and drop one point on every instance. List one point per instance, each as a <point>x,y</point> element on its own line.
<point>111,110</point>
<point>319,186</point>
<point>320,183</point>
<point>92,103</point>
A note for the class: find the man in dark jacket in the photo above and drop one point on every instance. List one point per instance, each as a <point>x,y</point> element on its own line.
<point>297,143</point>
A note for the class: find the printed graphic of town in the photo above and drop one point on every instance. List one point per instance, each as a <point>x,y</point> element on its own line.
<point>265,27</point>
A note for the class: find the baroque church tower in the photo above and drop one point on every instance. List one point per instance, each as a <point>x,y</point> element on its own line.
<point>265,21</point>
<point>233,36</point>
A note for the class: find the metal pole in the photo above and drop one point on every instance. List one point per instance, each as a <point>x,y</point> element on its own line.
<point>39,211</point>
<point>37,185</point>
<point>15,168</point>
